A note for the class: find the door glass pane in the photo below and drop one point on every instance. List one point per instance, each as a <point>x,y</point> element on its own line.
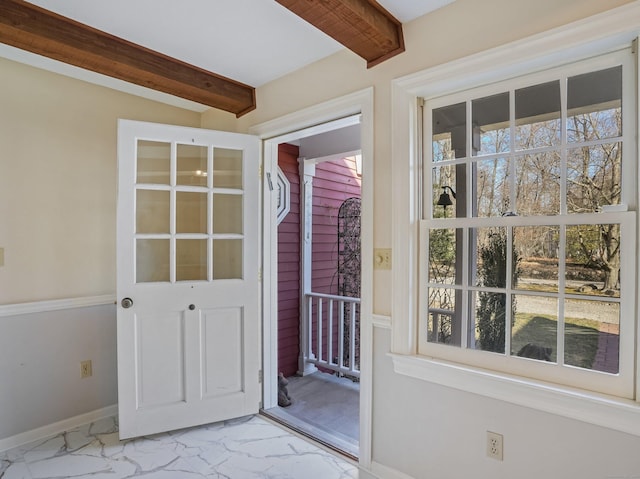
<point>535,258</point>
<point>192,165</point>
<point>441,323</point>
<point>191,212</point>
<point>227,168</point>
<point>593,260</point>
<point>538,184</point>
<point>152,260</point>
<point>534,332</point>
<point>153,162</point>
<point>449,132</point>
<point>191,259</point>
<point>491,132</point>
<point>492,183</point>
<point>538,116</point>
<point>592,334</point>
<point>594,177</point>
<point>227,214</point>
<point>227,259</point>
<point>152,211</point>
<point>594,102</point>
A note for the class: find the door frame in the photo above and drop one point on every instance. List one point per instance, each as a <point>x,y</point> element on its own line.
<point>314,120</point>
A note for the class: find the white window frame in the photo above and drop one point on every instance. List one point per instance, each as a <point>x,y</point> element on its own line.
<point>621,384</point>
<point>597,35</point>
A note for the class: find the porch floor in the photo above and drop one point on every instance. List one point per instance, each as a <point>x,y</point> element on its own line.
<point>325,407</point>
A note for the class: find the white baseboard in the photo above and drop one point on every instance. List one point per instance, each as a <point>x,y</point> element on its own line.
<point>56,428</point>
<point>384,472</point>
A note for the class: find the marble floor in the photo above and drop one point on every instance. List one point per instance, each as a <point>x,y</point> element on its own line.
<point>245,448</point>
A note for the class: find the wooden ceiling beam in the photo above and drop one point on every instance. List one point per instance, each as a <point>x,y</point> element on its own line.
<point>363,26</point>
<point>29,27</point>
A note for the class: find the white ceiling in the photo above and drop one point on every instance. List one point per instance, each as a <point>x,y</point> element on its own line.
<point>251,41</point>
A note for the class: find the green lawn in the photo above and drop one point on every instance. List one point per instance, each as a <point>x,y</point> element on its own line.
<point>581,337</point>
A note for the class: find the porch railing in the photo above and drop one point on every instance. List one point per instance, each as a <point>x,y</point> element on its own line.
<point>441,322</point>
<point>332,332</point>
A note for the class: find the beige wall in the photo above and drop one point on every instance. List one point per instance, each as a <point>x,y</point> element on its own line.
<point>58,181</point>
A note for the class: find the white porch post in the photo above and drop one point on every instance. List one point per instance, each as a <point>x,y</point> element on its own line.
<point>307,172</point>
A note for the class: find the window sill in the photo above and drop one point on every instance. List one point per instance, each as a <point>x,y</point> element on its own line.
<point>607,411</point>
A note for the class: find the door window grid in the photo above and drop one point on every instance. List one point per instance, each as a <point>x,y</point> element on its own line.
<point>195,245</point>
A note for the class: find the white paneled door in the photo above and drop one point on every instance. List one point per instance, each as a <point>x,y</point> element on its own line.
<point>187,248</point>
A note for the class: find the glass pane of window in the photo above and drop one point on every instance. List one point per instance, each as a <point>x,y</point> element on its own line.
<point>490,257</point>
<point>491,133</point>
<point>191,212</point>
<point>443,248</point>
<point>538,184</point>
<point>592,334</point>
<point>192,165</point>
<point>227,168</point>
<point>593,260</point>
<point>489,313</point>
<point>227,259</point>
<point>449,134</point>
<point>227,214</point>
<point>594,177</point>
<point>534,331</point>
<point>538,116</point>
<point>594,103</point>
<point>492,183</point>
<point>152,260</point>
<point>445,179</point>
<point>191,259</point>
<point>535,258</point>
<point>153,162</point>
<point>152,211</point>
<point>442,325</point>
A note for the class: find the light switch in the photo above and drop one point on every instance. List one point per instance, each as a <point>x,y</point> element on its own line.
<point>382,258</point>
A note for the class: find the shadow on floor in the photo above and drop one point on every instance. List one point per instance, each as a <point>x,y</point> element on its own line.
<point>324,407</point>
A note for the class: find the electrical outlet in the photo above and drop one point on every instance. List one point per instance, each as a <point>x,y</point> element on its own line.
<point>85,369</point>
<point>494,445</point>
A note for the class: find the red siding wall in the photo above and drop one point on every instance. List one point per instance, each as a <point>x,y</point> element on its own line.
<point>289,267</point>
<point>335,181</point>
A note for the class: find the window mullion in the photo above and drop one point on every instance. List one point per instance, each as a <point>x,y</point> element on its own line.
<point>467,326</point>
<point>563,146</point>
<point>561,294</point>
<point>509,292</point>
<point>512,149</point>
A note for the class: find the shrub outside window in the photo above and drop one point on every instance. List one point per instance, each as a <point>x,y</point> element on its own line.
<point>528,239</point>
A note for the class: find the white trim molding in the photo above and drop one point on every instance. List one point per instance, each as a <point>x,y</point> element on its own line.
<point>381,321</point>
<point>338,113</point>
<point>56,305</point>
<point>384,472</point>
<point>57,427</point>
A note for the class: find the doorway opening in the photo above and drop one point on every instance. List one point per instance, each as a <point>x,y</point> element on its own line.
<point>318,287</point>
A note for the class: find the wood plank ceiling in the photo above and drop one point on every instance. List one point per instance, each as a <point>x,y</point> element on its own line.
<point>363,26</point>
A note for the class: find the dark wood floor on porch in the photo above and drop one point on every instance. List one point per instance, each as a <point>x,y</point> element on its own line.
<point>326,407</point>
